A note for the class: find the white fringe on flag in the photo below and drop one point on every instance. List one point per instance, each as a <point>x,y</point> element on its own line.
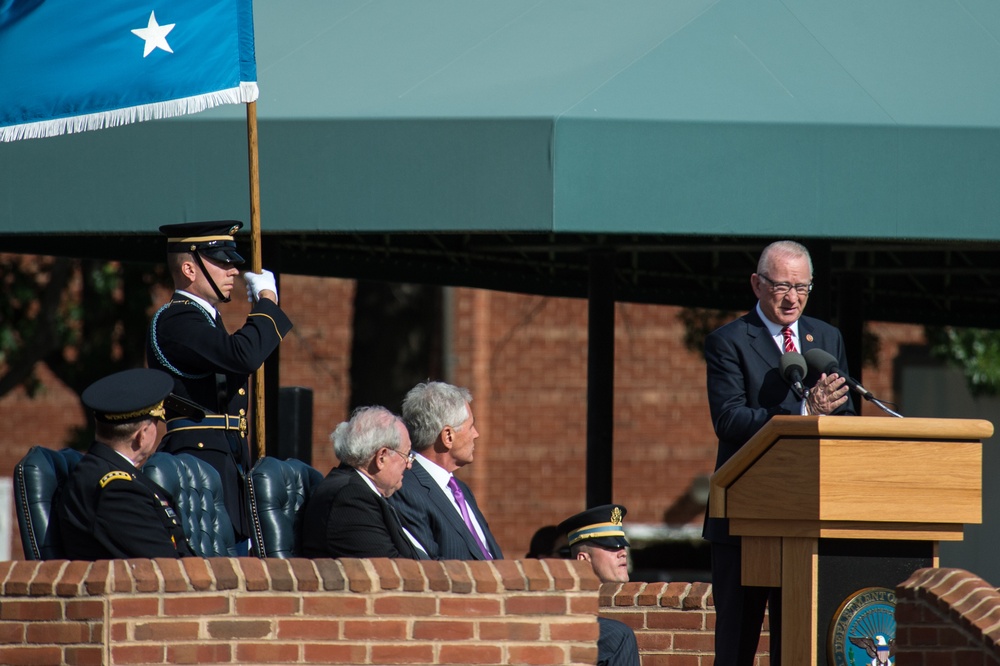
<point>245,93</point>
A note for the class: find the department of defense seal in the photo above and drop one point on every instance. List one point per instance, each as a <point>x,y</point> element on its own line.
<point>863,630</point>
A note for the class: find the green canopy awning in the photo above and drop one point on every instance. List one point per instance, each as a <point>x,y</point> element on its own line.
<point>557,146</point>
<point>523,134</point>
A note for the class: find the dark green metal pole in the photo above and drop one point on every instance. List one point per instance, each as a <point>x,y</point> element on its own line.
<point>600,378</point>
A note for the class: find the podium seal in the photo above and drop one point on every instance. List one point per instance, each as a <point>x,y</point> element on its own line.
<point>863,630</point>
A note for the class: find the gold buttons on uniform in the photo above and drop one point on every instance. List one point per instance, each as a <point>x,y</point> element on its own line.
<point>201,445</point>
<point>243,391</point>
<point>243,412</point>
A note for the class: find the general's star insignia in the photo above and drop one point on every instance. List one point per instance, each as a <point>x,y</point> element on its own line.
<point>155,35</point>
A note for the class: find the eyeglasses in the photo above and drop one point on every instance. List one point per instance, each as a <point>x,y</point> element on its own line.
<point>408,457</point>
<point>782,288</point>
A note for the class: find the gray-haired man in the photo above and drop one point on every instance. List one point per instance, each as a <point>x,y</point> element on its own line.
<point>436,507</point>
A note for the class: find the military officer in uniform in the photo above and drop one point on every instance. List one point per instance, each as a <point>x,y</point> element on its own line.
<point>597,536</point>
<point>209,366</point>
<point>108,509</point>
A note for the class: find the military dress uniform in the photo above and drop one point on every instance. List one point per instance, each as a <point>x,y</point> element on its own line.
<point>602,526</point>
<point>211,367</point>
<point>108,509</point>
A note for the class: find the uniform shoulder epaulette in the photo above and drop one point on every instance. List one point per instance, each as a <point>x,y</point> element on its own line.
<point>111,476</point>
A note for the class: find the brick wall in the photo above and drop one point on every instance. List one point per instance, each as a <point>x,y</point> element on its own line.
<point>947,617</point>
<point>674,623</point>
<point>349,611</point>
<point>251,611</point>
<point>534,388</point>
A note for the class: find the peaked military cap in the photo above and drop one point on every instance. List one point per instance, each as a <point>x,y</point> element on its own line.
<point>601,525</point>
<point>129,395</point>
<point>214,240</point>
<point>137,394</point>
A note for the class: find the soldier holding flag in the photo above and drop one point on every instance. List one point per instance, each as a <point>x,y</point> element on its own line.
<point>211,367</point>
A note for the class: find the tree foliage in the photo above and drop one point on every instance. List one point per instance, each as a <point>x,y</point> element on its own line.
<point>975,351</point>
<point>82,318</point>
<point>32,321</point>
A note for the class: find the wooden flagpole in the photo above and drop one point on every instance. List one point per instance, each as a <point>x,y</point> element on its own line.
<point>256,265</point>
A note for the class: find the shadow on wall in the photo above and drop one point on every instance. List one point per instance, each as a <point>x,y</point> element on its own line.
<point>675,550</point>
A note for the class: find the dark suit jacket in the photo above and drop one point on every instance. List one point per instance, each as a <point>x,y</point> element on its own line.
<point>745,386</point>
<point>429,514</point>
<point>186,343</point>
<point>109,510</point>
<point>346,518</point>
<point>616,645</point>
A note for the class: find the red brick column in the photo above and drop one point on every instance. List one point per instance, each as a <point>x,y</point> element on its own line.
<point>947,617</point>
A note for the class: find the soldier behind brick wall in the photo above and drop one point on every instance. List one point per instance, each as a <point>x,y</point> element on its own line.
<point>596,535</point>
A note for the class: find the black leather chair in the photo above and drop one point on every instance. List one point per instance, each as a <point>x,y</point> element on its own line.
<point>278,491</point>
<point>37,477</point>
<point>197,491</point>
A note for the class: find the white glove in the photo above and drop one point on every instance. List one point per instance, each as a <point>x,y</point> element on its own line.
<point>258,282</point>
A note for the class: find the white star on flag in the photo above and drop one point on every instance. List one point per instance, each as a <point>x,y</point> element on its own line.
<point>155,35</point>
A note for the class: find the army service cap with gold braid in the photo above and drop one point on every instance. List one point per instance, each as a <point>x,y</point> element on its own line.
<point>601,526</point>
<point>214,240</point>
<point>130,395</point>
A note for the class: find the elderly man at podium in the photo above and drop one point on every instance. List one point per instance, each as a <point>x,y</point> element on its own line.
<point>745,389</point>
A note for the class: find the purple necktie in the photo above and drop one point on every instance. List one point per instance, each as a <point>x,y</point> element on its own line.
<point>464,509</point>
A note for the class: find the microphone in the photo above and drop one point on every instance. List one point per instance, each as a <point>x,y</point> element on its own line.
<point>824,362</point>
<point>793,369</point>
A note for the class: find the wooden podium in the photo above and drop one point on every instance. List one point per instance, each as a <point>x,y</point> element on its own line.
<point>802,480</point>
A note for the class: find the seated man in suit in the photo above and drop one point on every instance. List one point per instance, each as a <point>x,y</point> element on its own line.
<point>348,515</point>
<point>596,535</point>
<point>108,509</point>
<point>436,507</point>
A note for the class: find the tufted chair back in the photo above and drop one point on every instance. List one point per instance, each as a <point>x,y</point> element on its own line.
<point>37,477</point>
<point>197,491</point>
<point>278,491</point>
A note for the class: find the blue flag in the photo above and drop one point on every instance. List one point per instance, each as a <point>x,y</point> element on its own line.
<point>73,65</point>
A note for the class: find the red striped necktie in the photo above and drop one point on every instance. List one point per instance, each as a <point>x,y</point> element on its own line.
<point>789,345</point>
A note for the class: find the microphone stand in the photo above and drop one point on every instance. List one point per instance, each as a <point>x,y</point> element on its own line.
<point>882,406</point>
